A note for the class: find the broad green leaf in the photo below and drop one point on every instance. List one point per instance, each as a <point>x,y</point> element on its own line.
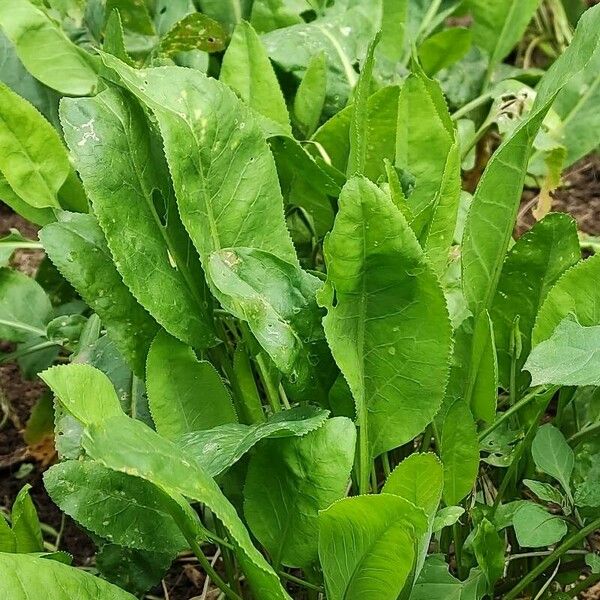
<point>85,392</point>
<point>393,29</point>
<point>8,541</point>
<point>194,32</point>
<point>493,213</point>
<point>367,546</point>
<point>34,161</point>
<point>386,323</point>
<point>576,294</point>
<point>133,512</point>
<point>26,524</point>
<point>277,300</point>
<point>224,175</point>
<point>24,307</point>
<point>310,97</point>
<point>489,549</point>
<point>569,357</point>
<point>134,14</point>
<point>446,517</point>
<point>39,216</point>
<point>420,480</point>
<point>343,34</point>
<point>436,583</point>
<point>532,266</point>
<point>535,527</point>
<point>219,448</point>
<point>46,51</point>
<point>24,577</point>
<point>499,25</point>
<point>184,394</point>
<point>131,447</point>
<point>459,452</point>
<point>13,241</point>
<point>289,481</point>
<point>382,115</point>
<point>246,69</point>
<point>268,15</point>
<point>553,456</point>
<point>77,247</point>
<point>128,183</point>
<point>444,48</point>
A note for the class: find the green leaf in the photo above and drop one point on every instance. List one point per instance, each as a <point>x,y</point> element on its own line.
<point>382,115</point>
<point>499,26</point>
<point>444,48</point>
<point>228,12</point>
<point>544,491</point>
<point>489,548</point>
<point>459,452</point>
<point>113,150</point>
<point>536,528</point>
<point>268,15</point>
<point>576,294</point>
<point>219,448</point>
<point>184,394</point>
<point>133,512</point>
<point>310,96</point>
<point>277,300</point>
<point>343,34</point>
<point>247,70</point>
<point>46,51</point>
<point>552,455</point>
<point>532,266</point>
<point>24,307</point>
<point>39,216</point>
<point>289,481</point>
<point>134,14</point>
<point>34,161</point>
<point>131,447</point>
<point>77,247</point>
<point>24,577</point>
<point>446,517</point>
<point>194,32</point>
<point>8,540</point>
<point>386,323</point>
<point>85,392</point>
<point>13,241</point>
<point>367,546</point>
<point>114,38</point>
<point>569,357</point>
<point>593,562</point>
<point>224,175</point>
<point>26,524</point>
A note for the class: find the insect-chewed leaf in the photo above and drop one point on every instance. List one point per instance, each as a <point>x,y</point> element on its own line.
<point>289,481</point>
<point>85,392</point>
<point>247,70</point>
<point>536,527</point>
<point>576,294</point>
<point>134,513</point>
<point>34,161</point>
<point>24,576</point>
<point>277,299</point>
<point>184,394</point>
<point>420,480</point>
<point>77,247</point>
<point>224,175</point>
<point>46,51</point>
<point>459,452</point>
<point>194,32</point>
<point>129,446</point>
<point>387,322</point>
<point>531,268</point>
<point>126,177</point>
<point>569,357</point>
<point>367,546</point>
<point>219,448</point>
<point>552,455</point>
<point>24,306</point>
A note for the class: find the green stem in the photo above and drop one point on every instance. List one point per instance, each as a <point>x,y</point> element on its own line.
<point>247,399</point>
<point>364,456</point>
<point>27,350</point>
<point>23,327</point>
<point>458,544</point>
<point>576,538</point>
<point>470,106</point>
<point>577,437</point>
<point>583,585</point>
<point>302,582</point>
<point>270,389</point>
<point>527,399</point>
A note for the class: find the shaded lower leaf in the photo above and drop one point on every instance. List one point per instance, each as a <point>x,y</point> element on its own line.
<point>489,548</point>
<point>535,527</point>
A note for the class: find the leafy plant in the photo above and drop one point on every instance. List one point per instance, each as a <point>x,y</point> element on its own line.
<point>291,335</point>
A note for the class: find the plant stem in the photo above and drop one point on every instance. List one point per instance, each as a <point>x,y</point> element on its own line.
<point>27,350</point>
<point>577,437</point>
<point>516,408</point>
<point>467,108</point>
<point>210,571</point>
<point>583,585</point>
<point>270,389</point>
<point>458,544</point>
<point>364,458</point>
<point>552,558</point>
<point>302,582</point>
